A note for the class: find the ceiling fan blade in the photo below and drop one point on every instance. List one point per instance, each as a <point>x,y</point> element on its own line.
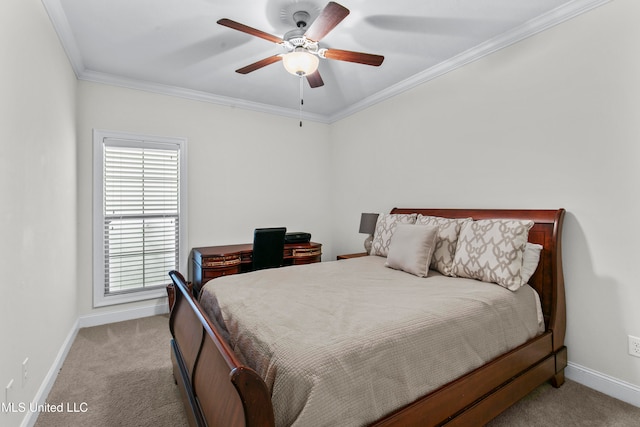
<point>249,30</point>
<point>331,15</point>
<point>349,56</point>
<point>257,65</point>
<point>314,79</point>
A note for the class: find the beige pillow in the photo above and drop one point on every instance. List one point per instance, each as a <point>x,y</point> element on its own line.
<point>446,242</point>
<point>385,227</point>
<point>530,261</point>
<point>411,248</point>
<point>492,250</point>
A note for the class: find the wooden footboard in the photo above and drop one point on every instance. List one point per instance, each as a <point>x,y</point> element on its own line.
<point>219,391</point>
<point>478,397</point>
<point>216,388</point>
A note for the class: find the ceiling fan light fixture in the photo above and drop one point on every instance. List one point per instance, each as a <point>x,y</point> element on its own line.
<point>300,62</point>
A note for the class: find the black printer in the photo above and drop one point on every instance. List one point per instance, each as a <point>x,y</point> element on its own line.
<point>297,237</point>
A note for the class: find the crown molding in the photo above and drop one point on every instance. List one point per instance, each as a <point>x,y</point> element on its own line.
<point>195,95</point>
<point>61,25</point>
<point>528,29</point>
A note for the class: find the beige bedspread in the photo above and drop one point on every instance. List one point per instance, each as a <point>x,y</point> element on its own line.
<point>343,343</point>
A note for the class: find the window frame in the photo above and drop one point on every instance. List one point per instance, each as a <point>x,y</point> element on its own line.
<point>101,299</point>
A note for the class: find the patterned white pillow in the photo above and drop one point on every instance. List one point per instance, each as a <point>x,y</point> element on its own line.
<point>385,227</point>
<point>411,248</point>
<point>492,250</point>
<point>446,242</point>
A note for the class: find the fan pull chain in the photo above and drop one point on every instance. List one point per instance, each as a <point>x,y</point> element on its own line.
<point>301,99</point>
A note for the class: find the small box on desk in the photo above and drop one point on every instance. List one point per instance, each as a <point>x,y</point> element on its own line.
<point>297,237</point>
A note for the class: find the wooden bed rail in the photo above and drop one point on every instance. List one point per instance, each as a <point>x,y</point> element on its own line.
<point>235,395</point>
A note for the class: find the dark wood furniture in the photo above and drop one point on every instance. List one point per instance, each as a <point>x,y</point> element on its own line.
<point>356,255</point>
<point>215,261</point>
<point>218,390</point>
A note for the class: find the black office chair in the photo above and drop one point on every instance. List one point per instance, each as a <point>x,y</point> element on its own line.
<point>268,247</point>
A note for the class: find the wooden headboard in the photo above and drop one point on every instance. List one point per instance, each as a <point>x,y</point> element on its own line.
<point>548,279</point>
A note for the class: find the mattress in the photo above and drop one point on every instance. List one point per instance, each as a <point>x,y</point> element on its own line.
<point>347,342</point>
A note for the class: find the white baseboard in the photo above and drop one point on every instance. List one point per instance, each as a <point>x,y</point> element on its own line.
<point>122,315</point>
<point>610,386</point>
<point>83,322</point>
<point>41,396</point>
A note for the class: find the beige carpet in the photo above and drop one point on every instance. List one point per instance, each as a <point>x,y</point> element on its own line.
<point>123,373</point>
<point>120,374</point>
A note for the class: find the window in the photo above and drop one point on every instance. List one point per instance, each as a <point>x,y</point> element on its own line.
<point>139,215</point>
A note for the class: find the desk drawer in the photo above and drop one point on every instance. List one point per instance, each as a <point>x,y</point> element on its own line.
<point>306,252</point>
<point>212,273</point>
<point>222,261</point>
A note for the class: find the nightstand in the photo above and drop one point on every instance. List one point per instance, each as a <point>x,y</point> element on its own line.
<point>347,256</point>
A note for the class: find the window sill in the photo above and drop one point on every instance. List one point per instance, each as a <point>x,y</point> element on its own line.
<point>107,300</point>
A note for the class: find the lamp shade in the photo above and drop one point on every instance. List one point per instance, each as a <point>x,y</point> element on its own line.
<point>300,63</point>
<point>368,223</point>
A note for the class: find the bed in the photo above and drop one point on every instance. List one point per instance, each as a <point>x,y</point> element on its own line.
<point>222,386</point>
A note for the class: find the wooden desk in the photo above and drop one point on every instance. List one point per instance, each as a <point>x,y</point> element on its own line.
<point>215,261</point>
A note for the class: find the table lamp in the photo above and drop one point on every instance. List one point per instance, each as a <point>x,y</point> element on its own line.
<point>368,226</point>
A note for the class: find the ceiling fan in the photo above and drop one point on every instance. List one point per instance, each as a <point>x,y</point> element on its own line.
<point>302,44</point>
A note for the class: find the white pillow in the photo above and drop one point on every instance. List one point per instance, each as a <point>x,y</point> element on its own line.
<point>385,226</point>
<point>492,250</point>
<point>411,248</point>
<point>530,261</point>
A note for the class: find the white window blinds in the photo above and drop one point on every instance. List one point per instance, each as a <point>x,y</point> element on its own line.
<point>140,226</point>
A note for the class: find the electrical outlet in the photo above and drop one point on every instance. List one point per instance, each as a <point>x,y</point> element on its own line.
<point>25,371</point>
<point>634,346</point>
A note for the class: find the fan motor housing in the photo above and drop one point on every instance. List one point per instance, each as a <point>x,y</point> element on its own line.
<point>295,37</point>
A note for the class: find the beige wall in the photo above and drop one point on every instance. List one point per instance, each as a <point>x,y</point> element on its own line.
<point>553,121</point>
<point>244,169</point>
<point>38,193</point>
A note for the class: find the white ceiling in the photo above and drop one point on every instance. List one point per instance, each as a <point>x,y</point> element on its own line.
<point>176,47</point>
